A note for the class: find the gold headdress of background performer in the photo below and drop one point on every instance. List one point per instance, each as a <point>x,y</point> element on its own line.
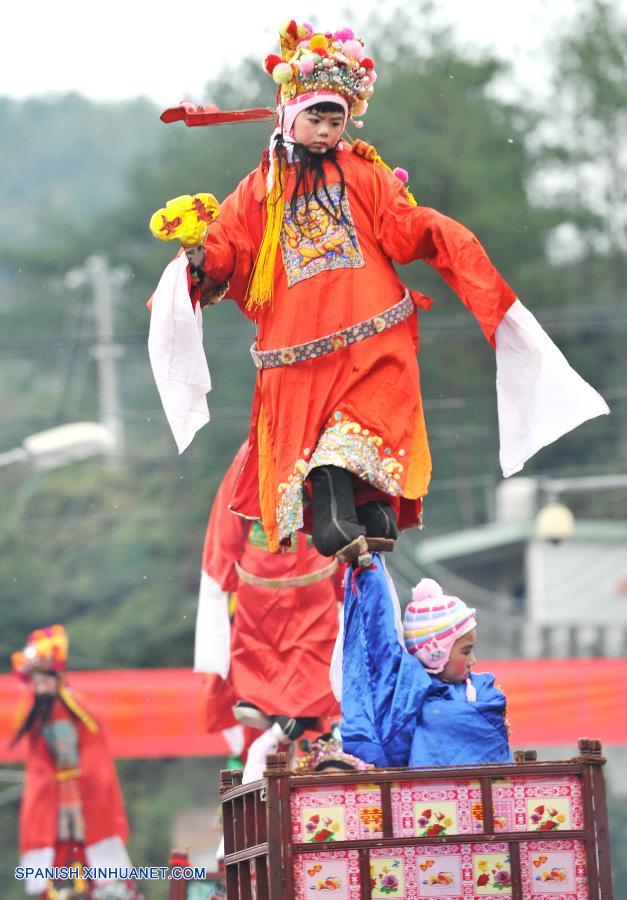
<point>314,67</point>
<point>46,650</point>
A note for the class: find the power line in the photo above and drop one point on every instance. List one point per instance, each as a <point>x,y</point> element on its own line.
<point>58,415</point>
<point>155,415</point>
<point>595,319</point>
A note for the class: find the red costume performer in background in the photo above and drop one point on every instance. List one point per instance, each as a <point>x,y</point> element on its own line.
<point>279,650</point>
<point>72,811</point>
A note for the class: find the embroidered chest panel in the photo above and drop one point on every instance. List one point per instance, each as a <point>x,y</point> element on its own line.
<point>61,737</point>
<point>321,242</point>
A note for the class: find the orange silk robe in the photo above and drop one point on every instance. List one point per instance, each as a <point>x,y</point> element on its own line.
<point>359,407</point>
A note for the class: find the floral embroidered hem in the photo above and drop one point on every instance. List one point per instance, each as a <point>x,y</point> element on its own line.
<point>346,444</point>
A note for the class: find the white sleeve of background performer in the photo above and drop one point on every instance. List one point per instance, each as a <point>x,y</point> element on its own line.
<point>212,646</point>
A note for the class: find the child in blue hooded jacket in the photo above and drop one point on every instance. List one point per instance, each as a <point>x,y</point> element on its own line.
<point>417,704</point>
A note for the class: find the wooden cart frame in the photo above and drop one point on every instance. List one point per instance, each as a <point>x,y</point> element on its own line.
<point>179,889</point>
<point>260,850</point>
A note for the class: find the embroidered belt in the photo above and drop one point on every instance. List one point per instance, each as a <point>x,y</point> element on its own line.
<point>270,359</point>
<point>67,774</point>
<point>297,582</point>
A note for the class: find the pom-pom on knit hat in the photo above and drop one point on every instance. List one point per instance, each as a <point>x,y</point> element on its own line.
<point>433,622</point>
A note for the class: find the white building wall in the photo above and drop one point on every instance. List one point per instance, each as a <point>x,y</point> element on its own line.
<point>577,583</point>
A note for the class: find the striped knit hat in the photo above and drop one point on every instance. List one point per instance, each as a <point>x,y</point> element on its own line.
<point>433,622</point>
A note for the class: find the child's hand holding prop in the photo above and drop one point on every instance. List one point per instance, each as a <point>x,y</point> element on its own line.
<point>185,219</point>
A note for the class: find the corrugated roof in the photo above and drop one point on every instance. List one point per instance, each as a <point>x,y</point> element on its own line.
<point>473,541</point>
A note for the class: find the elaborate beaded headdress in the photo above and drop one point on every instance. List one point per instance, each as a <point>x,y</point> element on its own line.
<point>326,753</point>
<point>313,61</point>
<point>46,650</point>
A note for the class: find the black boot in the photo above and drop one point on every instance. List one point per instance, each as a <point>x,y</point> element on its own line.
<point>287,728</point>
<point>248,714</point>
<point>378,519</point>
<point>333,505</point>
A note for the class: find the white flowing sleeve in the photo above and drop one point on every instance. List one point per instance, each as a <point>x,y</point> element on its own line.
<point>177,354</point>
<point>539,396</point>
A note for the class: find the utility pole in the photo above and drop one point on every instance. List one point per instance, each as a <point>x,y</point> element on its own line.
<point>102,279</point>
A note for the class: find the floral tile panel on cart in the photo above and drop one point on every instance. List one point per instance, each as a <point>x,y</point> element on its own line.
<point>324,815</point>
<point>550,870</point>
<point>436,808</point>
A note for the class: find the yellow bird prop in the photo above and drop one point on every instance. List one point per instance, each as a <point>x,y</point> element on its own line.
<point>185,219</point>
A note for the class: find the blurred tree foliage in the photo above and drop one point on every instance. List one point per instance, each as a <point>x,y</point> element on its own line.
<point>589,171</point>
<point>115,554</point>
<point>64,159</point>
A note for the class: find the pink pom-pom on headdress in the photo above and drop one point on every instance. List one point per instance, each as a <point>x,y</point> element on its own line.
<point>353,49</point>
<point>306,65</point>
<point>426,589</point>
<point>401,174</point>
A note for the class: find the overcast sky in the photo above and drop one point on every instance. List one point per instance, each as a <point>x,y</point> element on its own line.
<point>167,51</point>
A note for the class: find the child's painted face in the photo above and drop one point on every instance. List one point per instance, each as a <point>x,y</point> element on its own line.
<point>462,659</point>
<point>319,132</point>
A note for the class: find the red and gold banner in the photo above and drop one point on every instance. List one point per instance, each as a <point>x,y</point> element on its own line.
<point>151,713</point>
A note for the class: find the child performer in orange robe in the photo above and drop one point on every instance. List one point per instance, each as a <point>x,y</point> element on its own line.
<point>308,243</point>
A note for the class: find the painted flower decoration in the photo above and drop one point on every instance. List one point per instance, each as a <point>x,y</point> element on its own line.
<point>389,884</point>
<point>434,822</point>
<point>321,830</point>
<point>546,818</point>
<point>497,876</point>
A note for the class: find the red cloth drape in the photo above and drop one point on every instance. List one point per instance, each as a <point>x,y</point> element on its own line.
<point>151,713</point>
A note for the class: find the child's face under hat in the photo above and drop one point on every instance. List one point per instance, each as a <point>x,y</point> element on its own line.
<point>461,660</point>
<point>434,626</point>
<point>318,131</point>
